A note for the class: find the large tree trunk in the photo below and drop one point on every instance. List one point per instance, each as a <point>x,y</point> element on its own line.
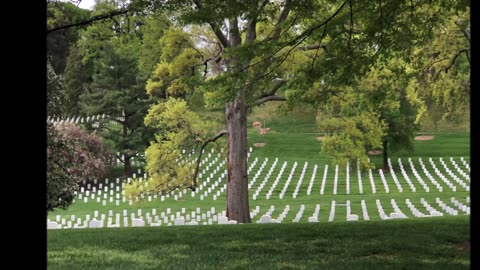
<point>385,156</point>
<point>128,167</point>
<point>237,184</point>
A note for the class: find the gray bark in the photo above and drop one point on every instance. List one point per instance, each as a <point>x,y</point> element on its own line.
<point>237,184</point>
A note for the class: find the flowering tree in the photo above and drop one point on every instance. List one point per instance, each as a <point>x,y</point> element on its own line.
<point>91,157</point>
<point>72,156</point>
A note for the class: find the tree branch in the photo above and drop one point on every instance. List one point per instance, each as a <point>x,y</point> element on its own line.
<point>267,99</point>
<point>319,46</point>
<point>234,37</point>
<point>455,58</point>
<point>251,33</point>
<point>100,17</point>
<point>216,30</point>
<point>221,37</point>
<point>283,16</point>
<point>313,47</point>
<point>199,158</point>
<point>276,86</point>
<point>297,40</point>
<point>217,58</point>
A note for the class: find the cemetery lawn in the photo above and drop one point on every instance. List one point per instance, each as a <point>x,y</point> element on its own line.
<point>420,243</point>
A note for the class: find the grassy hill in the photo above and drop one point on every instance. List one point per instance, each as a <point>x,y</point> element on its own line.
<point>413,243</point>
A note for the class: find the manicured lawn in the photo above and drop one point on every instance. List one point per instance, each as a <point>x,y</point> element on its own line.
<point>427,243</point>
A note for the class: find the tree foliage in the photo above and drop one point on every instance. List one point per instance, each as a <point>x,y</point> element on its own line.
<point>91,158</point>
<point>58,43</point>
<point>78,77</point>
<point>116,88</point>
<point>177,128</point>
<point>348,138</point>
<point>61,184</point>
<point>56,97</point>
<point>73,156</point>
<point>443,64</point>
<point>117,91</point>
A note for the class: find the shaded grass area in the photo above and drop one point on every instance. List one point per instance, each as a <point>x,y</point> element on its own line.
<point>430,243</point>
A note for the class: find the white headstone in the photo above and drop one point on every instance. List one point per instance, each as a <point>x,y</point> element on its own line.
<point>265,219</point>
<point>95,223</point>
<point>397,215</point>
<point>179,221</point>
<point>222,220</point>
<point>313,219</point>
<point>137,222</point>
<point>353,217</point>
<point>52,225</point>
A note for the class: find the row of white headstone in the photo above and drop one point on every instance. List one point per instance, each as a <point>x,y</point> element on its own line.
<point>300,180</point>
<point>196,217</point>
<point>335,180</point>
<point>459,170</point>
<point>312,179</point>
<point>464,162</point>
<point>265,180</point>
<point>417,176</point>
<point>429,176</point>
<point>406,177</point>
<point>350,216</point>
<point>216,184</point>
<point>324,180</point>
<point>465,208</point>
<point>76,119</point>
<point>396,181</point>
<point>441,176</point>
<point>299,214</point>
<point>138,221</point>
<point>289,179</point>
<point>456,178</point>
<point>446,208</point>
<point>432,211</point>
<point>394,176</point>
<point>275,182</point>
<point>413,209</point>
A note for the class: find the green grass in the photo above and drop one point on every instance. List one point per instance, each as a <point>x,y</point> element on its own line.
<point>429,243</point>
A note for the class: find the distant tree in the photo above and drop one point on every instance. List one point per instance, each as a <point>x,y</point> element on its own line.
<point>56,97</point>
<point>109,51</point>
<point>59,42</point>
<point>385,90</point>
<point>151,49</point>
<point>77,79</point>
<point>117,91</point>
